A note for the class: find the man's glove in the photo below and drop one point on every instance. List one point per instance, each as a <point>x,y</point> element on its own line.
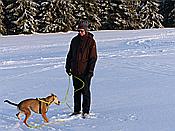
<point>68,71</point>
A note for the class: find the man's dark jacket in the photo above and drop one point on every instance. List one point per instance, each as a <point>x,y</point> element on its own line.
<point>82,55</point>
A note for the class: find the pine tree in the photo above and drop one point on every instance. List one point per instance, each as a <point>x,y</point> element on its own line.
<point>131,14</point>
<point>64,15</point>
<point>92,12</point>
<point>127,14</point>
<point>104,6</point>
<point>122,14</point>
<point>112,13</point>
<point>167,10</point>
<point>118,15</point>
<point>86,10</point>
<point>56,16</point>
<point>172,18</point>
<point>46,17</point>
<point>2,19</point>
<point>21,14</point>
<point>149,15</point>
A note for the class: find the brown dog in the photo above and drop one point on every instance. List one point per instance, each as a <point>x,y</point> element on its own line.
<point>37,105</point>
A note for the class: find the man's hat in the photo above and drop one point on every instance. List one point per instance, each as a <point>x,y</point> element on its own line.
<point>83,25</point>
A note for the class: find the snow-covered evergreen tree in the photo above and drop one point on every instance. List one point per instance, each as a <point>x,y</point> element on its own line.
<point>21,14</point>
<point>172,18</point>
<point>87,10</point>
<point>131,14</point>
<point>127,13</point>
<point>56,15</point>
<point>46,17</point>
<point>168,11</point>
<point>92,12</point>
<point>120,14</point>
<point>104,6</point>
<point>2,19</point>
<point>64,15</point>
<point>149,15</point>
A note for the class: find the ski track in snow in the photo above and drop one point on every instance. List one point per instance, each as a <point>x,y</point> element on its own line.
<point>44,64</point>
<point>141,47</point>
<point>137,47</point>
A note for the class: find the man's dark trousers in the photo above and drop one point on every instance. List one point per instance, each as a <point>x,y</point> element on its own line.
<point>85,91</point>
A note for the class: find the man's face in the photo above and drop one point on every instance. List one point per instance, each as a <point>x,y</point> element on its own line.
<point>81,32</point>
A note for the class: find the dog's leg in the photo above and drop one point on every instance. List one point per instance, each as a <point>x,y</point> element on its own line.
<point>27,113</point>
<point>44,117</point>
<point>18,115</point>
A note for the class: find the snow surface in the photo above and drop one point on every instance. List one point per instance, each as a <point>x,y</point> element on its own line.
<point>133,88</point>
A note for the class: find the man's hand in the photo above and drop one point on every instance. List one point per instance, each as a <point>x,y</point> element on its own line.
<point>68,71</point>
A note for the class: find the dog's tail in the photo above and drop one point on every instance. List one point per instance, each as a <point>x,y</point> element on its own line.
<point>11,103</point>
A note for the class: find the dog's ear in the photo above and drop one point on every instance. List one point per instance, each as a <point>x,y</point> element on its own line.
<point>52,94</point>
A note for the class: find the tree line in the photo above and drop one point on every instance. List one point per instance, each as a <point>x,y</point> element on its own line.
<point>49,16</point>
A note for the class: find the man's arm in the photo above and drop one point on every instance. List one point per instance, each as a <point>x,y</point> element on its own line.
<point>68,60</point>
<point>92,59</point>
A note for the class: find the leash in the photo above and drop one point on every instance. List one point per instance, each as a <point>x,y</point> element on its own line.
<point>66,96</point>
<point>67,91</point>
<point>80,81</point>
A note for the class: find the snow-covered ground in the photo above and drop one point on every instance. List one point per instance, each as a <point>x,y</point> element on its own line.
<point>133,88</point>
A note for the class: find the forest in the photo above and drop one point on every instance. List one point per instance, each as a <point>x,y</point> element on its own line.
<point>50,16</point>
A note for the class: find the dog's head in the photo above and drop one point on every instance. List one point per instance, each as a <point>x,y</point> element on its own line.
<point>55,99</point>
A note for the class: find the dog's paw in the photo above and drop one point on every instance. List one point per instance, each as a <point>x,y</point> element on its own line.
<point>46,121</point>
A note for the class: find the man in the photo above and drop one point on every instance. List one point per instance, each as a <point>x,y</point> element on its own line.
<point>80,62</point>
